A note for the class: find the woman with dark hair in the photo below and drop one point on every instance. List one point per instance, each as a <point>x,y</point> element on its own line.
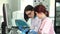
<point>46,26</point>
<point>30,13</point>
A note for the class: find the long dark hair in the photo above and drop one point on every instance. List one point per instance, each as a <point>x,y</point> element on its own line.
<point>27,8</point>
<point>41,8</point>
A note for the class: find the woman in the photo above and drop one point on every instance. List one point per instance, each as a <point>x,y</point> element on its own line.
<point>46,26</point>
<point>29,13</point>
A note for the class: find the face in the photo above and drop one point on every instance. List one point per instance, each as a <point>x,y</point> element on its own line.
<point>30,14</point>
<point>39,15</point>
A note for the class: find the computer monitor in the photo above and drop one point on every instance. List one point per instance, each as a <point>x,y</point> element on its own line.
<point>7,15</point>
<point>4,15</point>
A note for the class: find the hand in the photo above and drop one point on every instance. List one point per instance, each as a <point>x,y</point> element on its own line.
<point>39,32</point>
<point>20,28</point>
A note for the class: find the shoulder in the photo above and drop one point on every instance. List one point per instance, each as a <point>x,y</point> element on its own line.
<point>48,19</point>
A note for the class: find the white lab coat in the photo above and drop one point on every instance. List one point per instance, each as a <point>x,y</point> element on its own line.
<point>35,24</point>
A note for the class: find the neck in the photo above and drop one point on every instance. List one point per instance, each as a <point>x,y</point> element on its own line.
<point>33,17</point>
<point>43,16</point>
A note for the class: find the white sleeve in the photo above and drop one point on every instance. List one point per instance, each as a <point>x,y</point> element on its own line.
<point>32,25</point>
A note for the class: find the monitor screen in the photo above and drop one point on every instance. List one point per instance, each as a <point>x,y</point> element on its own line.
<point>4,15</point>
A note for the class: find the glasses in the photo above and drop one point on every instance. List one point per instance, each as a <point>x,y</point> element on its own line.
<point>28,14</point>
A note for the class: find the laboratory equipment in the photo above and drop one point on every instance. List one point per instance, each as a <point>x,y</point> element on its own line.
<point>23,26</point>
